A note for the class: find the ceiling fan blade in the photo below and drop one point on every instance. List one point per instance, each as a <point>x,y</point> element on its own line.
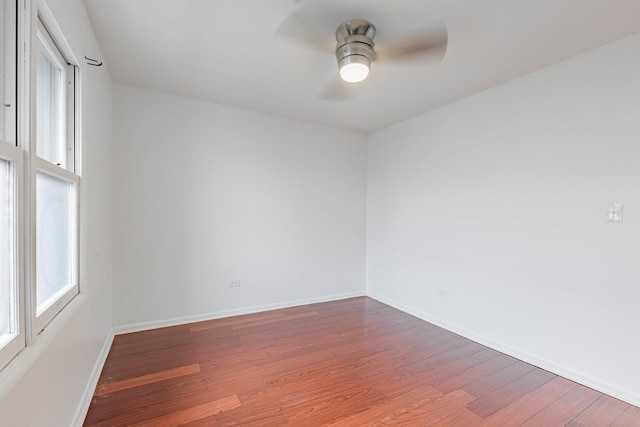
<point>427,44</point>
<point>311,28</point>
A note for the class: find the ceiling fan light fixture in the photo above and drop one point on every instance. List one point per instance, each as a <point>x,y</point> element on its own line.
<point>354,49</point>
<point>354,68</point>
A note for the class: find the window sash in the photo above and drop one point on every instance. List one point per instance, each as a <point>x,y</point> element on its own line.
<point>54,132</point>
<point>13,297</point>
<point>8,54</point>
<point>61,168</point>
<point>11,344</point>
<point>41,316</point>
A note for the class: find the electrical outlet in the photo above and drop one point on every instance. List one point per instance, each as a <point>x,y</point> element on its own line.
<point>443,293</point>
<point>234,283</point>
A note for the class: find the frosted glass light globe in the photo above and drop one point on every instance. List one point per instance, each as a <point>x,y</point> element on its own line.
<point>354,72</point>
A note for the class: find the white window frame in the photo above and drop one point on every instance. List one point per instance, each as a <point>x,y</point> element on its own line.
<point>11,347</point>
<point>48,33</point>
<point>9,152</point>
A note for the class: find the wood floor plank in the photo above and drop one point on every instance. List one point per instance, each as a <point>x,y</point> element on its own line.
<point>476,373</point>
<point>231,321</point>
<point>630,418</point>
<point>105,388</point>
<point>560,386</point>
<point>489,383</point>
<point>603,412</point>
<point>440,373</point>
<point>321,410</point>
<point>462,418</point>
<point>431,348</point>
<point>284,318</point>
<point>141,337</point>
<point>269,367</point>
<point>160,342</point>
<point>400,381</point>
<point>565,409</point>
<point>296,393</point>
<point>147,363</point>
<point>432,412</point>
<point>272,417</point>
<point>138,413</point>
<point>354,362</point>
<point>392,409</point>
<point>395,335</point>
<point>205,422</point>
<point>321,368</point>
<point>156,395</point>
<point>220,387</point>
<point>215,335</point>
<point>527,406</point>
<point>441,358</point>
<point>502,397</point>
<point>192,414</point>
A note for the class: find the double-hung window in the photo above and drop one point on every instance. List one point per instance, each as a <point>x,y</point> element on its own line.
<point>39,175</point>
<point>12,315</point>
<point>55,181</point>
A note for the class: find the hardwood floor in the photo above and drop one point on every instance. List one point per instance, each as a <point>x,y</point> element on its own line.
<point>353,362</point>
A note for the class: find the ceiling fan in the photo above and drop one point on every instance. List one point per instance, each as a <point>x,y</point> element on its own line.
<point>354,47</point>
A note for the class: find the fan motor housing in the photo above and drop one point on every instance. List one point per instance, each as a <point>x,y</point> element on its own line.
<point>355,42</point>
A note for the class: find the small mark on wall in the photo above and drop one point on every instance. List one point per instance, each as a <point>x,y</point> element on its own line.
<point>614,212</point>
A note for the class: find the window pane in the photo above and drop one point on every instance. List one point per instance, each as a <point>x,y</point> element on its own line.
<point>8,325</point>
<point>55,237</point>
<point>50,118</point>
<point>2,60</point>
<point>7,71</point>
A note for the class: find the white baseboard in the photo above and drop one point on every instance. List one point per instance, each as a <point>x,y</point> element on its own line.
<point>581,378</point>
<point>143,326</point>
<point>83,406</point>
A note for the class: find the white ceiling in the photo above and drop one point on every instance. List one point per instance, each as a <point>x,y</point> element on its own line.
<point>225,51</point>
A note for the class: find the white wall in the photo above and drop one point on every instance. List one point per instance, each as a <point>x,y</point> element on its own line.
<point>52,393</point>
<point>499,200</point>
<point>205,194</point>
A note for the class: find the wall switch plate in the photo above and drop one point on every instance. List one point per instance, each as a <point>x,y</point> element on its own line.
<point>234,283</point>
<point>614,212</point>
